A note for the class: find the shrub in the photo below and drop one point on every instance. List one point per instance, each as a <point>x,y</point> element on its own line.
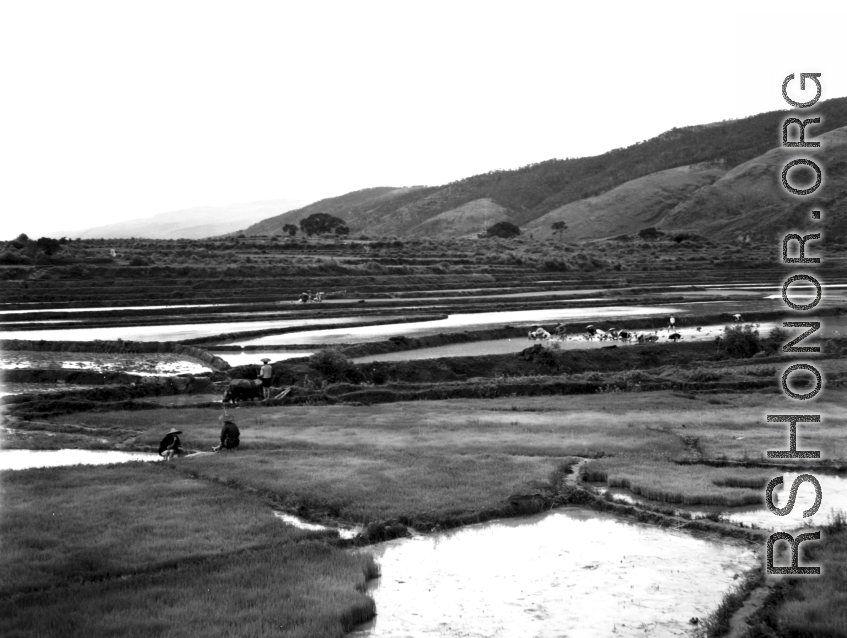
<point>332,364</point>
<point>741,341</point>
<point>504,229</point>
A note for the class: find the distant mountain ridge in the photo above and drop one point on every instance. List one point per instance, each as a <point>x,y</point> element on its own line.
<point>617,192</point>
<point>189,223</point>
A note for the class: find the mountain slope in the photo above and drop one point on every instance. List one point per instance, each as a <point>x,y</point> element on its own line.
<point>468,219</point>
<point>347,207</point>
<point>750,199</point>
<point>527,194</point>
<point>629,207</point>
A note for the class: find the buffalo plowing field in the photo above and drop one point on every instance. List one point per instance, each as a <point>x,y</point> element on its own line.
<point>383,436</point>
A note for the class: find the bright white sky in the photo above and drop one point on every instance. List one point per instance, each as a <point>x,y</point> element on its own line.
<point>117,110</point>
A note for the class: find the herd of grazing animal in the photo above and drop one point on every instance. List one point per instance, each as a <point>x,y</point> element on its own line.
<point>559,332</point>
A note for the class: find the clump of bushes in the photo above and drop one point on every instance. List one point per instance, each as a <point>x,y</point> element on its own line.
<point>332,365</point>
<point>741,342</point>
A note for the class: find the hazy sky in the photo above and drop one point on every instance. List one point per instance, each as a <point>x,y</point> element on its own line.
<point>117,110</point>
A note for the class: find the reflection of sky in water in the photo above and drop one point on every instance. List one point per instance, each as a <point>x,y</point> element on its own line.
<point>482,319</point>
<point>833,489</point>
<point>564,573</point>
<point>299,523</point>
<point>256,356</point>
<point>200,305</point>
<point>173,332</point>
<point>23,459</point>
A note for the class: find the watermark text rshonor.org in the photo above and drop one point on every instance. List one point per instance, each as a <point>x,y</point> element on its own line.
<point>799,238</point>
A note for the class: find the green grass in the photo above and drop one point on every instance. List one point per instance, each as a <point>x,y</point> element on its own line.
<point>367,485</point>
<point>659,480</point>
<point>66,524</point>
<point>816,606</point>
<point>295,591</point>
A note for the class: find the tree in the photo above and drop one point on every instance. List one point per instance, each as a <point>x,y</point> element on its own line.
<point>48,245</point>
<point>506,230</point>
<point>559,227</point>
<point>322,224</point>
<point>291,229</point>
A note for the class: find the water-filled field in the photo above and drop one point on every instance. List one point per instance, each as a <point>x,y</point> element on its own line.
<point>578,571</point>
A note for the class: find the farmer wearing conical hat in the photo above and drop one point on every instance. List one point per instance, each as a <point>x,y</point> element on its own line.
<point>266,374</point>
<point>170,445</point>
<point>229,433</point>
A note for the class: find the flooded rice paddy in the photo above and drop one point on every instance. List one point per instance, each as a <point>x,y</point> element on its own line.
<point>247,357</point>
<point>159,364</point>
<point>299,523</point>
<point>174,332</point>
<point>456,321</point>
<point>831,327</point>
<point>833,503</point>
<point>25,459</point>
<point>568,573</point>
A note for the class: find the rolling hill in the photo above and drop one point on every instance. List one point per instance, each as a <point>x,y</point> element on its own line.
<point>681,179</point>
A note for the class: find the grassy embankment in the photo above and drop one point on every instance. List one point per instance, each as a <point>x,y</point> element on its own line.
<point>384,461</point>
<point>140,549</point>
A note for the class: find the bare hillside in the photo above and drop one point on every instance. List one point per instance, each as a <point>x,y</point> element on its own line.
<point>630,207</point>
<point>751,201</point>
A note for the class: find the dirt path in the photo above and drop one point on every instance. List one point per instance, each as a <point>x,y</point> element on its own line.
<point>738,624</point>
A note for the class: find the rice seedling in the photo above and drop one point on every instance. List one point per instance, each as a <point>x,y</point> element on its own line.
<point>296,590</point>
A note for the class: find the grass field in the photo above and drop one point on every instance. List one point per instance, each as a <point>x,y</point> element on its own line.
<point>76,540</point>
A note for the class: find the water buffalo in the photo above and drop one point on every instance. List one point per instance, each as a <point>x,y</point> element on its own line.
<point>247,390</point>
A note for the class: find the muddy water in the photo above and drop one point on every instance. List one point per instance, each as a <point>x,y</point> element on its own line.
<point>832,327</point>
<point>568,573</point>
<point>299,523</point>
<point>834,500</point>
<point>25,459</point>
<point>241,358</point>
<point>159,364</point>
<point>175,332</point>
<point>105,309</point>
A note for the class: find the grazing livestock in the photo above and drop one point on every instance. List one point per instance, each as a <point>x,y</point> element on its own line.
<point>675,337</point>
<point>590,332</point>
<point>247,390</point>
<point>625,335</point>
<point>736,318</point>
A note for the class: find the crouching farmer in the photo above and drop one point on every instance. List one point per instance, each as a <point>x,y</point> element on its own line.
<point>170,446</point>
<point>229,435</point>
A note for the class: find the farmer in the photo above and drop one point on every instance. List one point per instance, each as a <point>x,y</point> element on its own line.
<point>229,434</point>
<point>266,373</point>
<point>170,445</point>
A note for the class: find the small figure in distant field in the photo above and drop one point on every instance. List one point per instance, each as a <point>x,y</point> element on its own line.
<point>266,374</point>
<point>736,317</point>
<point>671,323</point>
<point>304,297</point>
<point>319,297</point>
<point>229,435</point>
<point>170,446</point>
<point>538,333</point>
